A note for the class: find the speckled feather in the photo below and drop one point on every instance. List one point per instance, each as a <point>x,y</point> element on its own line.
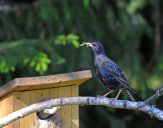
<point>108,72</point>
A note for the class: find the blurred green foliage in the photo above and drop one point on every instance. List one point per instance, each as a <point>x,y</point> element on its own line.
<point>44,36</point>
<point>32,53</point>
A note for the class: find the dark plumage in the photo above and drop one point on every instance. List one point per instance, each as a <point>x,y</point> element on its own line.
<point>108,72</point>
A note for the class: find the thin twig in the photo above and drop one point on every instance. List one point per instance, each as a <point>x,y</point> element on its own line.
<point>155,96</point>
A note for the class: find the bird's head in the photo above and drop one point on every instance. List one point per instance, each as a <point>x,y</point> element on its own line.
<point>97,47</point>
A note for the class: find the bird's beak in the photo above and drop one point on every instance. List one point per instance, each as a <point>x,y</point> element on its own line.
<point>87,44</point>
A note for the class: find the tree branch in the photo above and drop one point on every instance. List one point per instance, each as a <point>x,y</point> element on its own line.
<point>99,101</point>
<point>155,96</point>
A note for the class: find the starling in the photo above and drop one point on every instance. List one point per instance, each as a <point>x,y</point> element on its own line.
<point>108,72</point>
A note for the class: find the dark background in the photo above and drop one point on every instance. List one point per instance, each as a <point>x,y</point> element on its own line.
<point>42,37</point>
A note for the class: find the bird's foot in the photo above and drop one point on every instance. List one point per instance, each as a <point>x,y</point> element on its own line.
<point>116,98</point>
<point>108,93</point>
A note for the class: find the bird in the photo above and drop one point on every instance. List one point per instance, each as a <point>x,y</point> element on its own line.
<point>108,72</point>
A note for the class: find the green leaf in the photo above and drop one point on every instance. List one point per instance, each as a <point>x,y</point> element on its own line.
<point>76,44</point>
<point>60,40</point>
<point>71,37</point>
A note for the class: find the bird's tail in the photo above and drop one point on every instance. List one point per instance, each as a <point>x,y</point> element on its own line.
<point>129,95</point>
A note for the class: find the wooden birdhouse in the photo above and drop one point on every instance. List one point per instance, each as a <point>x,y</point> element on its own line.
<point>22,92</point>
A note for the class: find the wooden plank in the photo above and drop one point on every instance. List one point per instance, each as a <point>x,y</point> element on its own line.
<point>31,117</point>
<point>26,98</point>
<point>65,110</point>
<point>75,108</point>
<point>45,82</point>
<point>25,101</point>
<point>46,94</point>
<point>37,96</point>
<point>17,104</point>
<point>6,106</point>
<point>54,93</point>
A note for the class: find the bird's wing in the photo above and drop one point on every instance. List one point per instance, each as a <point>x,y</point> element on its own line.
<point>116,72</point>
<point>99,77</point>
<point>122,80</point>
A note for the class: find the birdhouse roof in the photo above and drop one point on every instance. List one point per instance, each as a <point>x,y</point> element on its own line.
<point>45,82</point>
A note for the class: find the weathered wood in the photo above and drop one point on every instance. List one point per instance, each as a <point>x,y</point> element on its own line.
<point>18,104</point>
<point>65,110</point>
<point>75,108</point>
<point>6,107</point>
<point>22,92</point>
<point>51,81</point>
<point>25,101</point>
<point>54,93</point>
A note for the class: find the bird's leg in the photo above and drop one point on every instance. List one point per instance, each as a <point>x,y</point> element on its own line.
<point>109,93</point>
<point>118,94</point>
